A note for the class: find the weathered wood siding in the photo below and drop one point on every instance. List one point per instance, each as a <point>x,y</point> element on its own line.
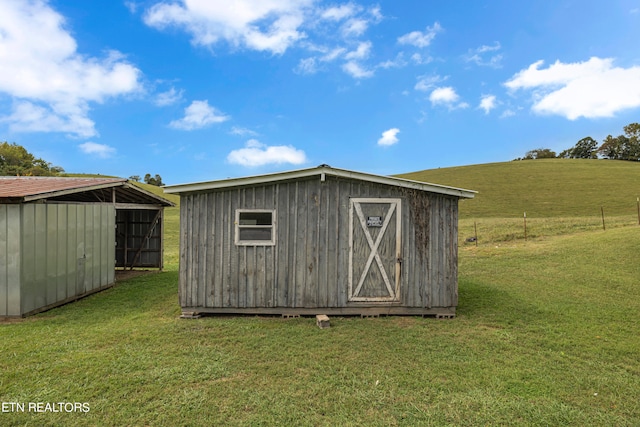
<point>308,267</point>
<point>53,253</point>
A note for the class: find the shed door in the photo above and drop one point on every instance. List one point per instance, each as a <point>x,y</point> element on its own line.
<point>375,254</point>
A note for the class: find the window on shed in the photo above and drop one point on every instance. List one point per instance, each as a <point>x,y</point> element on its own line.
<point>255,227</point>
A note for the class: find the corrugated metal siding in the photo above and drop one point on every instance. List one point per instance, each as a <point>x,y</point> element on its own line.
<point>67,250</point>
<point>308,266</point>
<point>9,260</point>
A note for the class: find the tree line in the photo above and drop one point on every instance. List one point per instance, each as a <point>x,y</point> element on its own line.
<point>15,160</point>
<point>621,147</point>
<point>148,179</point>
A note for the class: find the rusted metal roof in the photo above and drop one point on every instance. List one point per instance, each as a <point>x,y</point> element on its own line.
<point>97,190</point>
<point>25,186</point>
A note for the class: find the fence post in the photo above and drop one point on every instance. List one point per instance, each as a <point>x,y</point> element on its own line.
<point>475,227</point>
<point>602,211</point>
<point>525,226</point>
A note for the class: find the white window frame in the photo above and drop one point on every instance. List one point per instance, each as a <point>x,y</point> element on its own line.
<point>238,227</point>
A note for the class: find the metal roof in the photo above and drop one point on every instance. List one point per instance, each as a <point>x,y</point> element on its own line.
<point>92,190</point>
<point>322,171</point>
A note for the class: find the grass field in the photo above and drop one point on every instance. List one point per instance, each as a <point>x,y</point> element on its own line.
<point>545,188</point>
<point>546,334</point>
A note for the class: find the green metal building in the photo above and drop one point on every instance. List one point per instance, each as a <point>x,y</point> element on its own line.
<point>62,238</point>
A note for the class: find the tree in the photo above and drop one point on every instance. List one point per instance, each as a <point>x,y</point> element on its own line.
<point>632,131</point>
<point>611,147</point>
<point>539,153</point>
<point>157,180</point>
<point>620,148</point>
<point>15,160</point>
<point>135,178</point>
<point>586,148</point>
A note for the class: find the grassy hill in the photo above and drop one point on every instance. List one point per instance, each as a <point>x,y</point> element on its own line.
<point>159,191</point>
<point>543,188</point>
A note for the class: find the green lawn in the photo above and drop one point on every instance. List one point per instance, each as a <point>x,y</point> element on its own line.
<point>546,333</point>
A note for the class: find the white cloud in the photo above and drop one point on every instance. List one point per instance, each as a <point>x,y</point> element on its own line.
<point>355,27</point>
<point>419,59</point>
<point>275,26</point>
<point>48,79</point>
<point>355,70</point>
<point>507,113</point>
<point>398,62</point>
<point>590,89</point>
<point>487,103</point>
<point>322,54</point>
<point>131,6</point>
<point>198,115</point>
<point>362,51</point>
<point>420,39</point>
<point>446,96</point>
<point>29,117</point>
<point>333,54</point>
<point>169,97</point>
<point>353,66</point>
<point>426,83</point>
<point>257,154</point>
<point>485,56</point>
<point>338,13</point>
<point>375,13</point>
<point>443,95</point>
<point>307,66</point>
<point>485,48</point>
<point>243,131</point>
<point>255,24</point>
<point>100,150</point>
<point>389,137</point>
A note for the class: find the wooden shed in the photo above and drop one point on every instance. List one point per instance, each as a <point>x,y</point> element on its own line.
<point>318,241</point>
<point>62,238</point>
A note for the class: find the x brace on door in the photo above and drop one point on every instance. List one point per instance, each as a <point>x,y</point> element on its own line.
<point>373,246</point>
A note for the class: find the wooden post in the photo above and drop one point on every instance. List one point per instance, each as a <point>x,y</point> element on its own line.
<point>602,211</point>
<point>638,203</point>
<point>475,227</point>
<point>525,226</point>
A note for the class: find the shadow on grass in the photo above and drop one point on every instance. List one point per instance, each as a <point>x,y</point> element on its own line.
<point>479,300</point>
<point>155,293</point>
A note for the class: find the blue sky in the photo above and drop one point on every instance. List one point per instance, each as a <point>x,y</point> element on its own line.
<point>198,90</point>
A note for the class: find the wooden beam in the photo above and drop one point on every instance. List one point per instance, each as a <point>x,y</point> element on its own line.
<point>136,206</point>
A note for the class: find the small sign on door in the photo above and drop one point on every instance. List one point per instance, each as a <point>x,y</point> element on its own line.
<point>374,221</point>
